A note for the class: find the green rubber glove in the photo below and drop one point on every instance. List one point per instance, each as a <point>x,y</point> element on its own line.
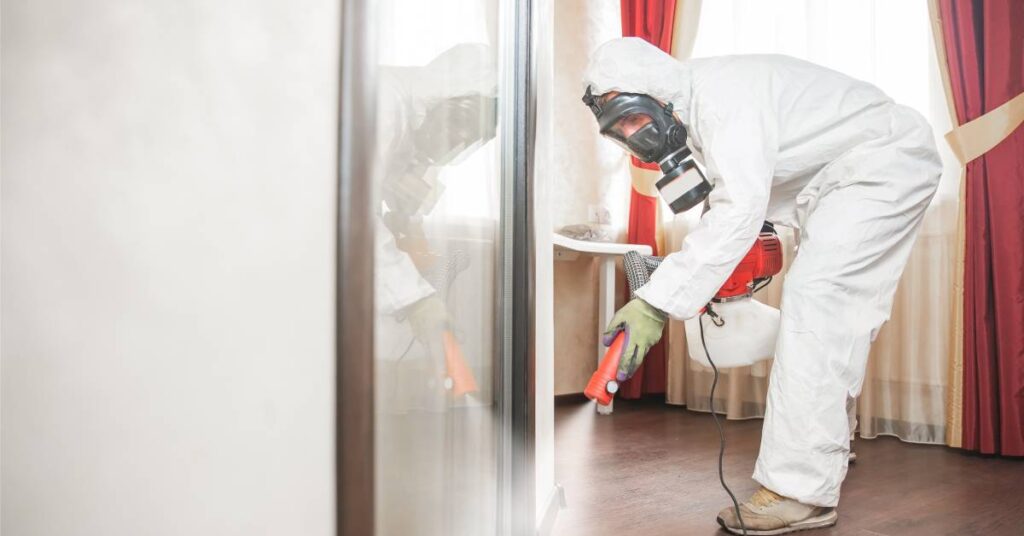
<point>428,318</point>
<point>643,324</point>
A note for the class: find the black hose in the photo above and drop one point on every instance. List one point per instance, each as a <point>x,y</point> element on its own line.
<point>721,433</point>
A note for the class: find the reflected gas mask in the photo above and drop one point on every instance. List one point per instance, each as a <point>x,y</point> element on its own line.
<point>453,127</point>
<point>650,131</point>
<point>451,130</point>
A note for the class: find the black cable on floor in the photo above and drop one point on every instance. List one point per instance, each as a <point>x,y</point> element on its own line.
<point>721,433</point>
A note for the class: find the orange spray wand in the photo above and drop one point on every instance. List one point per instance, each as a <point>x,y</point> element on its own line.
<point>460,379</point>
<point>602,385</point>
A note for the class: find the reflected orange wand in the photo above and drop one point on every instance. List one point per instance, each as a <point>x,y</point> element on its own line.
<point>460,379</point>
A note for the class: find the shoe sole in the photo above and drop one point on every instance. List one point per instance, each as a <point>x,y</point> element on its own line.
<point>819,522</point>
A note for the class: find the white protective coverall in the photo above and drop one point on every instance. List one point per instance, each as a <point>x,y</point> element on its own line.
<point>406,94</point>
<point>803,146</point>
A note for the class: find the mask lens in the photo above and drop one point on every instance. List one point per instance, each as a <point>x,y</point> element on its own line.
<point>629,125</point>
<point>638,134</point>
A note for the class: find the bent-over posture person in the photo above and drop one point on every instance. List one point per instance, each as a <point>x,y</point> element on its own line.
<point>802,146</point>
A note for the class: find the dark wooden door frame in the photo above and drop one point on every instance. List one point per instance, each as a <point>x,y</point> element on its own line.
<point>354,407</point>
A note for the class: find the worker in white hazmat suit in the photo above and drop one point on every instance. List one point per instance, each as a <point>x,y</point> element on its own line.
<point>428,116</point>
<point>802,146</point>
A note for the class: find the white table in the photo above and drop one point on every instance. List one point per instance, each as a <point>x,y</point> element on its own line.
<point>569,249</point>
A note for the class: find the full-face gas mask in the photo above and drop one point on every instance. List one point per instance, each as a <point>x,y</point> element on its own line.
<point>451,130</point>
<point>650,131</point>
<point>453,127</point>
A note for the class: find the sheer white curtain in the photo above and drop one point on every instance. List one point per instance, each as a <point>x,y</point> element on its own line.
<point>887,43</point>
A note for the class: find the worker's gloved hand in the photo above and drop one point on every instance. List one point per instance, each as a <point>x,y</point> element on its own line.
<point>643,324</point>
<point>428,319</point>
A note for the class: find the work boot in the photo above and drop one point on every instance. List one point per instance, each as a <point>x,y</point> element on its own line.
<point>767,513</point>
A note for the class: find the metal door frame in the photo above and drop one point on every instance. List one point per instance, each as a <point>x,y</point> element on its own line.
<point>518,303</point>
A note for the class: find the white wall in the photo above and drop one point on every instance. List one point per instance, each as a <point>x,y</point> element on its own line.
<point>167,266</point>
<point>544,423</point>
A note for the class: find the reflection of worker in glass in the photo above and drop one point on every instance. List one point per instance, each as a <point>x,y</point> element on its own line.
<point>805,147</point>
<point>429,116</point>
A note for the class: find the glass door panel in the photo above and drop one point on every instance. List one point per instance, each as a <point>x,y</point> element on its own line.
<point>438,277</point>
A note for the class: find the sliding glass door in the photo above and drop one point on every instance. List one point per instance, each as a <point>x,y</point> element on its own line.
<point>440,98</point>
<point>437,268</point>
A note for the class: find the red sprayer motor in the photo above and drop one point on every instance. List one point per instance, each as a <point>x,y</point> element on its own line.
<point>763,261</point>
<point>753,272</point>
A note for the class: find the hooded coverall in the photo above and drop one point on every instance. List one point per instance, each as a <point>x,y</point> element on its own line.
<point>834,158</point>
<point>406,94</point>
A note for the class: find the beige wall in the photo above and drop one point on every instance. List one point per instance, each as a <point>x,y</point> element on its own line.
<point>576,324</point>
<point>588,170</point>
<point>167,266</point>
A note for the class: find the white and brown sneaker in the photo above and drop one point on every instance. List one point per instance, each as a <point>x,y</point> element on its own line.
<point>767,513</point>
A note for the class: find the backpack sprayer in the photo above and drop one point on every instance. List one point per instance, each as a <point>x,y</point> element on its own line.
<point>754,272</point>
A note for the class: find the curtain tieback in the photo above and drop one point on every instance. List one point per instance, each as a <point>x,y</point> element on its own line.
<point>975,138</point>
<point>644,179</point>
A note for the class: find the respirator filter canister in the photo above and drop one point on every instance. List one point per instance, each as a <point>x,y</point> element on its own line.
<point>683,185</point>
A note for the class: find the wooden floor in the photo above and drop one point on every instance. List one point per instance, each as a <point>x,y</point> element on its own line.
<point>649,470</point>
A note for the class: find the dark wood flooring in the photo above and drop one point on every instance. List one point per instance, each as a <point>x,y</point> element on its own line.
<point>650,470</point>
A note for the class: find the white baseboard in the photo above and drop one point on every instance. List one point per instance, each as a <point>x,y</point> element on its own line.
<point>554,504</point>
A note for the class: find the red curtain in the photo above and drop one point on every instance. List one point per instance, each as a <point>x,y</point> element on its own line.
<point>652,20</point>
<point>985,49</point>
